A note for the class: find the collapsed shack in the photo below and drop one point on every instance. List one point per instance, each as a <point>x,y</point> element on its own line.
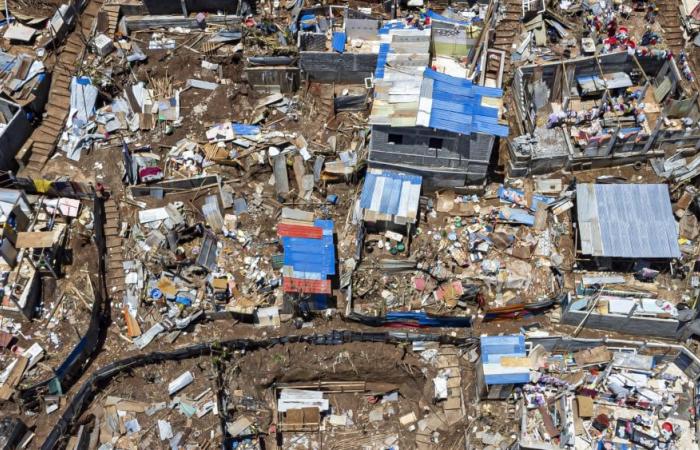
<point>25,85</point>
<point>344,397</point>
<point>600,111</point>
<point>37,216</point>
<point>47,225</point>
<point>587,393</point>
<point>71,369</point>
<point>337,44</point>
<point>80,401</point>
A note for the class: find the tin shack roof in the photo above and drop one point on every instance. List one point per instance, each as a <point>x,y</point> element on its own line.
<point>309,257</point>
<point>458,105</point>
<point>626,221</point>
<point>390,195</point>
<point>408,93</point>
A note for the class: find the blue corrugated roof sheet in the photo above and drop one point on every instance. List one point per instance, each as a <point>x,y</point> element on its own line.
<point>338,41</point>
<point>456,105</point>
<point>392,185</point>
<point>306,255</point>
<point>381,60</point>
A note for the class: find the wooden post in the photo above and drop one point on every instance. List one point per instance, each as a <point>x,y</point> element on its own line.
<point>183,4</point>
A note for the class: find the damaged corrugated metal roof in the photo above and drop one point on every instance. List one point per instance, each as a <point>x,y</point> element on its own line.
<point>626,221</point>
<point>391,193</point>
<point>407,93</point>
<point>453,104</point>
<point>403,53</point>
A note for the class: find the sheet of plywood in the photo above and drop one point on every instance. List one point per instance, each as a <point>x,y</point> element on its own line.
<point>36,239</point>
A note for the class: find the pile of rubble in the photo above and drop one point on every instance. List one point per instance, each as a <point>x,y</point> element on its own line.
<point>183,175</point>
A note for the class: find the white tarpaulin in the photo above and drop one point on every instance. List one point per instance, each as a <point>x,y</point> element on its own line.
<point>83,96</point>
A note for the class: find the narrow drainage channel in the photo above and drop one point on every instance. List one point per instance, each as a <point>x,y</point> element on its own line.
<point>101,377</point>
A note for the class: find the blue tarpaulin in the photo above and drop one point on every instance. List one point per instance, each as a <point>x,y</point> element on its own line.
<point>516,216</point>
<point>245,130</point>
<point>387,26</point>
<point>517,197</point>
<point>421,319</point>
<point>308,22</point>
<point>338,42</point>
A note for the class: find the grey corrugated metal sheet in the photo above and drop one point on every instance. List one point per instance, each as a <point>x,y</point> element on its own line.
<point>626,221</point>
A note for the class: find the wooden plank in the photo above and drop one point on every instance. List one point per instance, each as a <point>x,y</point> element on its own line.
<point>61,95</point>
<point>43,146</point>
<point>14,378</point>
<point>45,138</point>
<point>59,102</point>
<point>36,239</point>
<point>58,82</point>
<point>36,161</point>
<point>41,152</point>
<point>132,326</point>
<point>37,158</point>
<point>53,125</point>
<point>53,120</point>
<point>548,422</point>
<point>56,113</point>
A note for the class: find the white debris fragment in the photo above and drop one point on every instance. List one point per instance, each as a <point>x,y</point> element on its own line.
<point>165,431</point>
<point>180,382</point>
